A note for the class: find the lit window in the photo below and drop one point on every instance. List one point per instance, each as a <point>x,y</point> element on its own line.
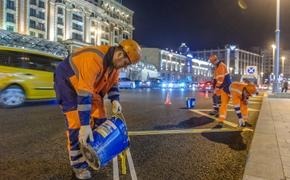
<point>32,12</point>
<point>41,35</point>
<point>33,2</point>
<point>59,31</point>
<point>32,24</point>
<point>10,5</point>
<point>77,27</point>
<point>59,10</point>
<point>10,28</point>
<point>77,18</point>
<point>41,15</point>
<point>10,18</point>
<point>41,4</point>
<point>32,33</point>
<point>59,20</point>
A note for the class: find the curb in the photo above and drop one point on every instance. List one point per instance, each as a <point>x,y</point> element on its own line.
<point>263,160</point>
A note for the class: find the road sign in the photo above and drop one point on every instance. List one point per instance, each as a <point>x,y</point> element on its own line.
<point>251,70</point>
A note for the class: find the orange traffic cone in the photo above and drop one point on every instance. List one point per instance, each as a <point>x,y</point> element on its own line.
<point>206,94</point>
<point>167,102</point>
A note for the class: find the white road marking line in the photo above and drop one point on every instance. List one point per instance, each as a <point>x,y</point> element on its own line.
<point>207,110</point>
<point>182,131</point>
<point>115,168</point>
<point>131,165</point>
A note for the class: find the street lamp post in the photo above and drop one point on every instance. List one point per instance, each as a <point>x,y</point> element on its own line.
<point>243,5</point>
<point>273,57</point>
<point>276,67</point>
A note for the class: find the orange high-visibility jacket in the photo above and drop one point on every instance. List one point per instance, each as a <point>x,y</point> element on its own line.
<point>91,75</point>
<point>236,90</point>
<point>92,80</point>
<point>222,76</point>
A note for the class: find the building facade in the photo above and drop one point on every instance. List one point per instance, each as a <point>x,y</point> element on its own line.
<point>237,60</point>
<point>174,66</point>
<point>284,67</point>
<point>75,22</point>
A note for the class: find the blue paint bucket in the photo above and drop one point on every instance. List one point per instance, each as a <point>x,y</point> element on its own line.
<point>190,102</point>
<point>110,139</point>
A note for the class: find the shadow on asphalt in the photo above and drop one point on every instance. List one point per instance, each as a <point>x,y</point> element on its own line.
<point>190,123</point>
<point>40,103</point>
<point>233,139</point>
<point>34,103</point>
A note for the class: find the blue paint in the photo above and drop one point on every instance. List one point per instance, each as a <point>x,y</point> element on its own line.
<point>190,102</point>
<point>110,139</point>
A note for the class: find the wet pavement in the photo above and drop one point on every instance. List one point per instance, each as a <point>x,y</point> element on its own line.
<point>32,141</point>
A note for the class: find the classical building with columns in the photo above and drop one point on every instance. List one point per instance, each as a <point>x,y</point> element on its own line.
<point>236,60</point>
<point>174,66</point>
<point>72,22</point>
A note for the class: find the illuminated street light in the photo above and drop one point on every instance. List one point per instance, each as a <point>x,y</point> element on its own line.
<point>231,70</point>
<point>97,35</point>
<point>283,61</point>
<point>273,59</point>
<point>243,5</point>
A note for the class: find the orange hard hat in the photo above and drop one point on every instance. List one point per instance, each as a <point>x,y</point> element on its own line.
<point>213,58</point>
<point>251,88</point>
<point>132,49</point>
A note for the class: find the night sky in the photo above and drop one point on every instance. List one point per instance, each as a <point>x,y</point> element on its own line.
<point>204,24</point>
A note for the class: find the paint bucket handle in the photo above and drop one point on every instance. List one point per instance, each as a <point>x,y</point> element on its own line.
<point>120,116</point>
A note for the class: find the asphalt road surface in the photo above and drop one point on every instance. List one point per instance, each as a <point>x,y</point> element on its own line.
<point>167,141</point>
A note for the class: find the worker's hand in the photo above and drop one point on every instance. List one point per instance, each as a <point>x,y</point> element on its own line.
<point>85,133</point>
<point>116,107</point>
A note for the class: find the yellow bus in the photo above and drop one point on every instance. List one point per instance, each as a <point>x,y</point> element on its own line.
<point>25,75</point>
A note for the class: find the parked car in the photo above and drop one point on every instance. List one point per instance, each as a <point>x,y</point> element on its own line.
<point>205,86</point>
<point>264,87</point>
<point>138,84</point>
<point>173,84</point>
<point>126,83</point>
<point>153,83</point>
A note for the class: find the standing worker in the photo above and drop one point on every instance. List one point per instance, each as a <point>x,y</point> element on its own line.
<point>223,82</point>
<point>240,94</point>
<point>216,99</point>
<point>81,82</point>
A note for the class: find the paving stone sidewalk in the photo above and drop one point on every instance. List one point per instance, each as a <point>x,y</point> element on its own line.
<point>269,154</point>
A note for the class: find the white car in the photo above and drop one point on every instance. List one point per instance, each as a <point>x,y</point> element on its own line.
<point>126,83</point>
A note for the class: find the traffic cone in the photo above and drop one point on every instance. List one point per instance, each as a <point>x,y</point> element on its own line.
<point>206,94</point>
<point>167,102</point>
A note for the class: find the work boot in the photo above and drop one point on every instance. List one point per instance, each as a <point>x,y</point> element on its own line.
<point>242,123</point>
<point>248,124</point>
<point>82,173</point>
<point>219,125</point>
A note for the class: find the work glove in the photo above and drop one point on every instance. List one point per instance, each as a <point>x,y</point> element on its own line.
<point>85,133</point>
<point>116,107</point>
